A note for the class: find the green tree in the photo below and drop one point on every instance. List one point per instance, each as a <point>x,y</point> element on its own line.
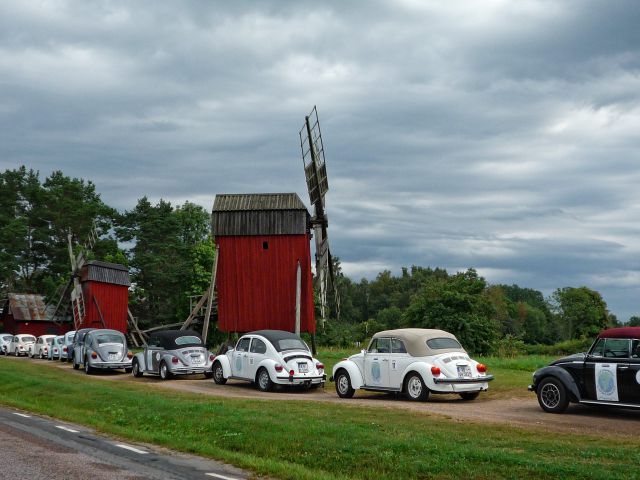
<point>634,321</point>
<point>581,311</point>
<point>171,258</point>
<point>458,304</point>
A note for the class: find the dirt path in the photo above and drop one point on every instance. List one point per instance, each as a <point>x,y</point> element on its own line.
<point>514,411</point>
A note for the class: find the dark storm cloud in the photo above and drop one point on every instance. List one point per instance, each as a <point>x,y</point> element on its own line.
<point>497,135</point>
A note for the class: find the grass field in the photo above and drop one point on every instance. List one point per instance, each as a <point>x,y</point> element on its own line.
<point>319,440</point>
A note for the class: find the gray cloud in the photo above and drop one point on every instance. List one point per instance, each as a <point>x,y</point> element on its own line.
<point>500,135</point>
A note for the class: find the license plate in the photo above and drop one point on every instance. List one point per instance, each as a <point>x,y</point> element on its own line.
<point>464,371</point>
<point>303,368</point>
<point>113,356</point>
<point>196,359</point>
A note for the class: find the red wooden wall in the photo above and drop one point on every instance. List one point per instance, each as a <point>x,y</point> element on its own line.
<point>113,301</point>
<point>34,327</point>
<point>257,286</point>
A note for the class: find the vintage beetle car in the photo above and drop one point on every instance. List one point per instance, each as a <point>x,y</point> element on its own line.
<point>56,348</point>
<point>65,351</point>
<point>106,349</point>
<point>173,352</point>
<point>412,361</point>
<point>20,344</point>
<point>268,358</point>
<point>40,349</point>
<point>5,340</point>
<point>77,347</point>
<point>608,374</point>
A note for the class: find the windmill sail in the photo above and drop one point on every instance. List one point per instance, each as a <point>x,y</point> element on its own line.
<point>317,184</point>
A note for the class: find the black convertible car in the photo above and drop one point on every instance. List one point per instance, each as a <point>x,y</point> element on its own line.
<point>609,374</point>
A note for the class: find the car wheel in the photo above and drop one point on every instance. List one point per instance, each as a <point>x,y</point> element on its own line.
<point>264,380</point>
<point>343,385</point>
<point>165,374</point>
<point>415,388</point>
<point>87,368</point>
<point>76,366</point>
<point>552,395</point>
<point>16,353</point>
<point>218,374</point>
<point>469,395</point>
<point>135,368</point>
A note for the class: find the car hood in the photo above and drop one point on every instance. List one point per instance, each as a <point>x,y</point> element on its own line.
<point>294,359</point>
<point>570,358</point>
<point>455,365</point>
<point>192,355</point>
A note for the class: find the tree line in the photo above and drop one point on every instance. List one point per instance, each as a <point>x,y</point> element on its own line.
<point>169,251</point>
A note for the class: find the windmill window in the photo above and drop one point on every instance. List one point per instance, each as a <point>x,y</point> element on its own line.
<point>265,245</point>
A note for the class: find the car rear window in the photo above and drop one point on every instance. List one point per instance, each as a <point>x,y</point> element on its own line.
<point>28,339</point>
<point>442,343</point>
<point>188,340</point>
<point>49,340</point>
<point>7,338</point>
<point>291,344</point>
<point>108,338</point>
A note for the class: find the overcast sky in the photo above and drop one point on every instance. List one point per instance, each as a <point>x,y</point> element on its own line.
<point>499,135</point>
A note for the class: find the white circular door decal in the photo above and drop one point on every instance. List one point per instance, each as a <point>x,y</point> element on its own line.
<point>638,376</point>
<point>158,356</point>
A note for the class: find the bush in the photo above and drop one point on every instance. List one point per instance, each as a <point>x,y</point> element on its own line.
<point>562,348</point>
<point>509,347</point>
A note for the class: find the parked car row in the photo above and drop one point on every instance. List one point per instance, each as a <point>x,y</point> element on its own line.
<point>414,362</point>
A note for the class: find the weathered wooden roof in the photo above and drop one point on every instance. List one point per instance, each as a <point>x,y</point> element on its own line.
<point>27,307</point>
<point>259,214</point>
<point>234,202</point>
<point>113,273</point>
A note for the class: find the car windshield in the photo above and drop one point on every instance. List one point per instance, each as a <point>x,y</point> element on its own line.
<point>291,344</point>
<point>442,343</point>
<point>108,338</point>
<point>28,339</point>
<point>188,340</point>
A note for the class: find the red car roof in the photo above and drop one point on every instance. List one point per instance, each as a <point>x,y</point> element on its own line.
<point>622,332</point>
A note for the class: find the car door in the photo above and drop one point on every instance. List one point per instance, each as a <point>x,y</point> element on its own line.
<point>257,351</point>
<point>629,376</point>
<point>604,369</point>
<point>398,361</point>
<point>152,355</point>
<point>239,358</point>
<point>376,363</point>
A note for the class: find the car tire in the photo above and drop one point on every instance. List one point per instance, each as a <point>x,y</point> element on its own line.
<point>552,395</point>
<point>135,369</point>
<point>87,368</point>
<point>218,374</point>
<point>164,372</point>
<point>468,396</point>
<point>263,380</point>
<point>343,384</point>
<point>16,353</point>
<point>76,366</point>
<point>415,388</point>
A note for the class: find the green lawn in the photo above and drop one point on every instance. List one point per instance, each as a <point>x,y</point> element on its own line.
<point>314,440</point>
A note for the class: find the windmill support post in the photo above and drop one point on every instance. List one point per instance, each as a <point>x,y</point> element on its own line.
<point>212,286</point>
<point>95,300</point>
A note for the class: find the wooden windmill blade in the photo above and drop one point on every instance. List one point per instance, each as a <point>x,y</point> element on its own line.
<point>315,170</point>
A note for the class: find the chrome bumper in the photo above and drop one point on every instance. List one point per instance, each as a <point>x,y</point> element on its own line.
<point>301,380</point>
<point>189,370</point>
<point>110,365</point>
<point>484,379</point>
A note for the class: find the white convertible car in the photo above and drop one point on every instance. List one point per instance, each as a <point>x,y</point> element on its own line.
<point>412,361</point>
<point>268,358</point>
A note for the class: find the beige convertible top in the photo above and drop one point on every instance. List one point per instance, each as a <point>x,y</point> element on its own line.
<point>415,340</point>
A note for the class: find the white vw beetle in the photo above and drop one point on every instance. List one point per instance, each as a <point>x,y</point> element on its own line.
<point>268,358</point>
<point>412,361</point>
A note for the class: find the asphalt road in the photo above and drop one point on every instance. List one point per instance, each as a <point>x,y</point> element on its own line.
<point>39,448</point>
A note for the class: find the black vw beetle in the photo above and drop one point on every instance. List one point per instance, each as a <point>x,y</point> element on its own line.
<point>609,374</point>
